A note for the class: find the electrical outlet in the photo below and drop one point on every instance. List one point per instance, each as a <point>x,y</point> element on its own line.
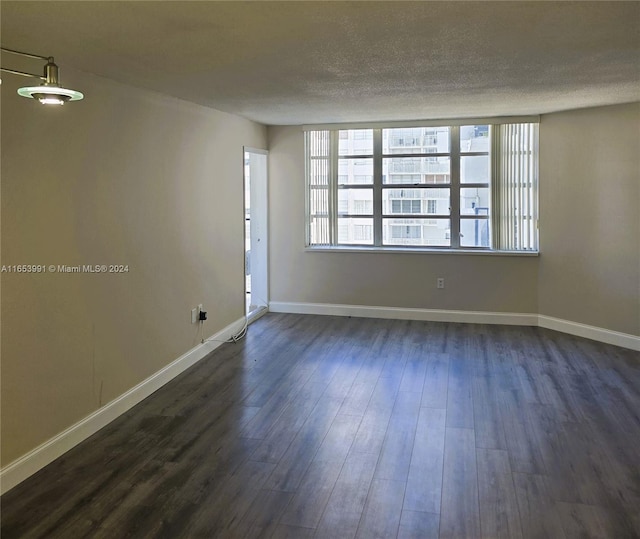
<point>194,315</point>
<point>440,282</point>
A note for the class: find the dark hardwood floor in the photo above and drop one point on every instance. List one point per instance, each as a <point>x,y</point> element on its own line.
<point>360,428</point>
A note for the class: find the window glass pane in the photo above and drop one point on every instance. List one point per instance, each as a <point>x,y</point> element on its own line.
<point>420,232</point>
<point>475,233</point>
<point>352,171</point>
<point>422,201</point>
<point>474,169</point>
<point>416,170</point>
<point>355,201</point>
<point>474,201</point>
<point>355,230</point>
<point>415,140</point>
<point>474,138</point>
<point>355,142</point>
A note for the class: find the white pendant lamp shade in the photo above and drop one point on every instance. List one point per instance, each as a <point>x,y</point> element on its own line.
<point>50,95</point>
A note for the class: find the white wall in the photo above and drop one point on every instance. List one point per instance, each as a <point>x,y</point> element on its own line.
<point>124,177</point>
<point>473,283</point>
<point>589,267</point>
<point>131,177</point>
<point>590,217</point>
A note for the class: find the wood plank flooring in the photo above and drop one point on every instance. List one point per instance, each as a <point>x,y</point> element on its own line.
<point>339,428</point>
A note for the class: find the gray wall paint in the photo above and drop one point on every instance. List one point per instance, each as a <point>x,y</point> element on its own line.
<point>474,283</point>
<point>589,267</point>
<point>131,177</point>
<point>123,177</point>
<point>590,217</point>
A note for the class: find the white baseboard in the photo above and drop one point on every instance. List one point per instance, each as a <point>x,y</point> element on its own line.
<point>590,332</point>
<point>38,458</point>
<point>396,313</point>
<point>256,314</point>
<point>474,317</point>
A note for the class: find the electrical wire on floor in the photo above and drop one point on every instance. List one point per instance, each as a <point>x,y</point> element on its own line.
<point>237,336</point>
<point>234,338</point>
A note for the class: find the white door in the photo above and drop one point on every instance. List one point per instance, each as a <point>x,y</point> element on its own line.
<point>256,232</point>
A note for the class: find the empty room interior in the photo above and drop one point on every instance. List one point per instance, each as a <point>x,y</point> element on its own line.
<point>320,269</point>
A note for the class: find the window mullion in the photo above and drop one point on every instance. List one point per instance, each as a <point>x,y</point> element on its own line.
<point>455,187</point>
<point>377,187</point>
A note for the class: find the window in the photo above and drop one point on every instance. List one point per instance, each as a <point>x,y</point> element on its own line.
<point>363,207</point>
<point>405,206</point>
<point>405,232</point>
<point>363,232</point>
<point>454,187</point>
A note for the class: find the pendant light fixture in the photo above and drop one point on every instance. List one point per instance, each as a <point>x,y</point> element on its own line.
<point>49,92</point>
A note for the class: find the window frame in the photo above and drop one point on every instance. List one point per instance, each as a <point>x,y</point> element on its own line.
<point>455,216</point>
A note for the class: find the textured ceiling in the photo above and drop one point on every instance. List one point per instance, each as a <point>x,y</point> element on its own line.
<point>314,62</point>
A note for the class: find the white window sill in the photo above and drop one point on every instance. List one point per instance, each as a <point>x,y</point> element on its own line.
<point>417,251</point>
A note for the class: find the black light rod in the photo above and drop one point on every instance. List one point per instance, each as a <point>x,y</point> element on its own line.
<point>28,55</point>
<point>22,73</point>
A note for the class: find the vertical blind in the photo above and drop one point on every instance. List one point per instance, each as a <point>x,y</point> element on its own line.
<point>318,170</point>
<point>514,193</point>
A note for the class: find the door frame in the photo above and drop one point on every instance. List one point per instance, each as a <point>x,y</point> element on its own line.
<point>254,315</point>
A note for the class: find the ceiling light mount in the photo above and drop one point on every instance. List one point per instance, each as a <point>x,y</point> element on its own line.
<point>49,92</point>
